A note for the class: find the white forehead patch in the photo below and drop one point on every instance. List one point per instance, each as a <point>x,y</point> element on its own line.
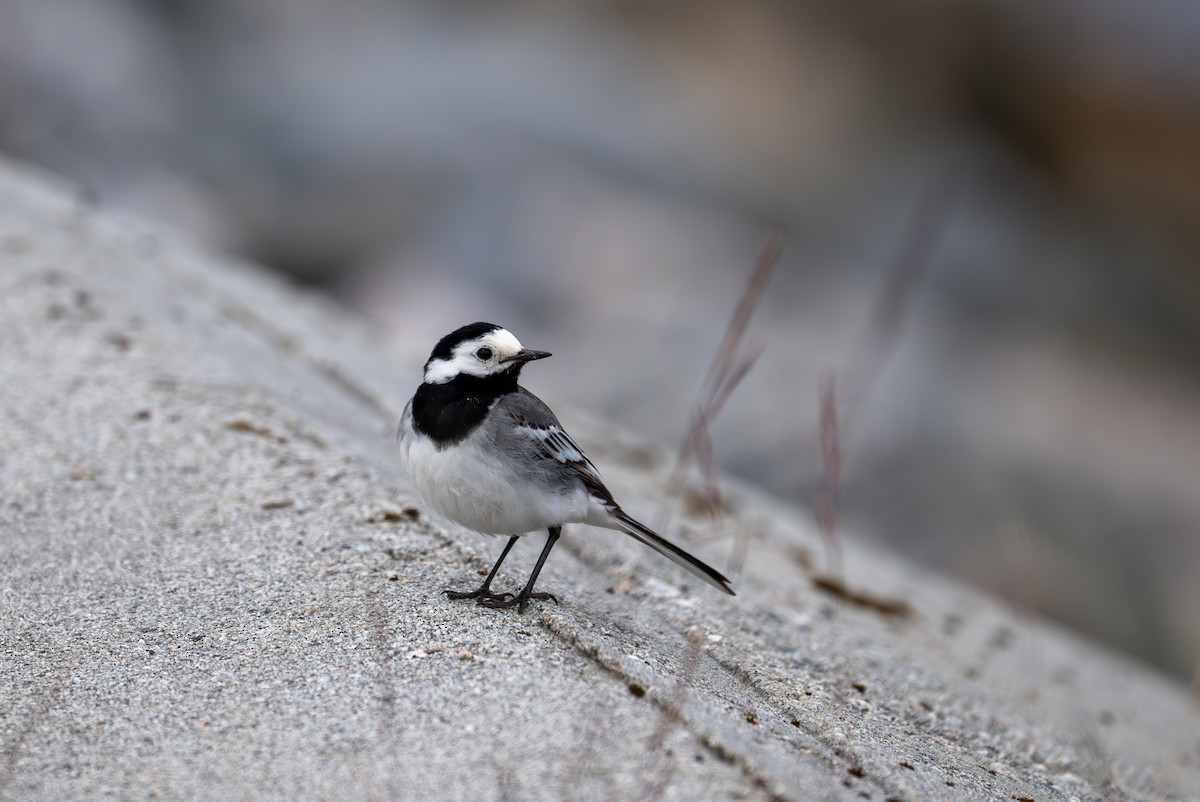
<point>501,342</point>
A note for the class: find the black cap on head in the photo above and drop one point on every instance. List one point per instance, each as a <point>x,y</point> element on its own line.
<point>445,347</point>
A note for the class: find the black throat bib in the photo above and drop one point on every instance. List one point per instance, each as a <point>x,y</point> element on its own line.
<point>448,412</point>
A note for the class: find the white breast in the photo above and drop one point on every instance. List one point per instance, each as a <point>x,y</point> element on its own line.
<point>481,490</point>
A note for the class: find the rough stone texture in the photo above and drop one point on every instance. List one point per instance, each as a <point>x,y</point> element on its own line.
<point>214,584</point>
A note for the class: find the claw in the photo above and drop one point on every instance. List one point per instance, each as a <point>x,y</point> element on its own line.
<point>520,601</point>
<point>482,595</point>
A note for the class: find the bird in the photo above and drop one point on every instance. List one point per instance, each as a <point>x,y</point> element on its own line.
<point>487,454</point>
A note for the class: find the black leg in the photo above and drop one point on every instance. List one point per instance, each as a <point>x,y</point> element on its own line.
<point>484,591</point>
<point>521,600</point>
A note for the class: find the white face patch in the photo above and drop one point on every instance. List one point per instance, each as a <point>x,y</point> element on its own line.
<point>469,357</point>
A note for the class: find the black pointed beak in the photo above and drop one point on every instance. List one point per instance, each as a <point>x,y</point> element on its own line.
<point>526,355</point>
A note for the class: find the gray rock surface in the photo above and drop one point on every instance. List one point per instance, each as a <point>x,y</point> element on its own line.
<point>215,584</point>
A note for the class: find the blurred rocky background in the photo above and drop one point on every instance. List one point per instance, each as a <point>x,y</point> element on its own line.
<point>598,176</point>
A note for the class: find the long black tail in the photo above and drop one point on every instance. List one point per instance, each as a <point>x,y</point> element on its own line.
<point>669,550</point>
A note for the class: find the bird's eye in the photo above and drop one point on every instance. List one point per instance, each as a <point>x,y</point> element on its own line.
<point>484,353</point>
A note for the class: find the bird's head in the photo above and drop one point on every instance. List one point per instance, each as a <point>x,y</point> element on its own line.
<point>480,350</point>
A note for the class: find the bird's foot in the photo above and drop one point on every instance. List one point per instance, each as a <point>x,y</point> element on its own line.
<point>482,595</point>
<point>520,601</point>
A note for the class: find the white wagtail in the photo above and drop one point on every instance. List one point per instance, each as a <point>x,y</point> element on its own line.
<point>488,454</point>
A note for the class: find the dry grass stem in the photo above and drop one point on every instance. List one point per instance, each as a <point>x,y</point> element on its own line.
<point>838,405</point>
<point>878,340</point>
<point>672,712</point>
<point>729,367</point>
<point>831,475</point>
